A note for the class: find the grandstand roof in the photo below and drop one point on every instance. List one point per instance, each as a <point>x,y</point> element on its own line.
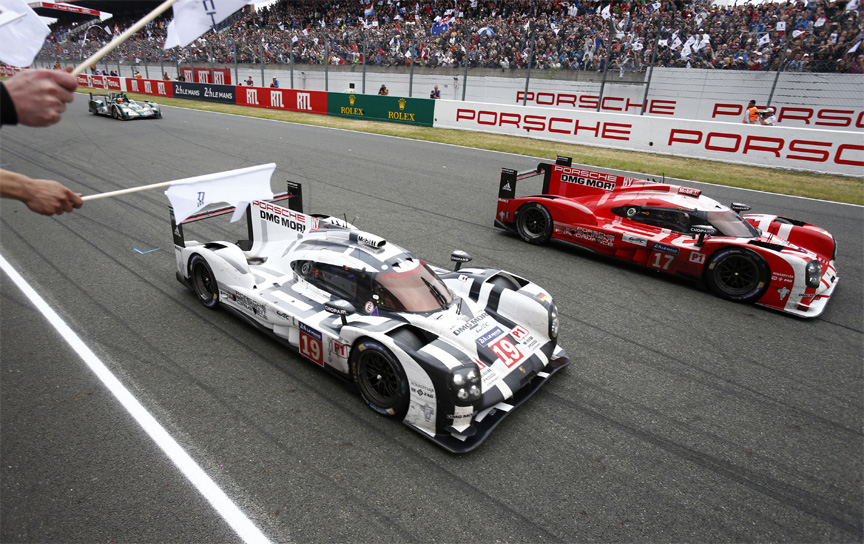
<point>65,11</point>
<point>118,6</point>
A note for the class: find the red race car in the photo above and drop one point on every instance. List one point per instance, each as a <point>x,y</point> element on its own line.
<point>769,260</point>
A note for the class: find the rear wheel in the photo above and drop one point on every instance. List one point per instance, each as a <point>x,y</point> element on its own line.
<point>380,379</point>
<point>203,282</point>
<point>738,274</point>
<point>534,223</point>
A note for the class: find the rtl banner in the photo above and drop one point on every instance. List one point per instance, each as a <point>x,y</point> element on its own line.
<point>156,87</point>
<point>283,99</point>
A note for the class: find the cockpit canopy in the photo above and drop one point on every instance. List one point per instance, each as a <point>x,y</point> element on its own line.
<point>726,221</point>
<point>410,287</point>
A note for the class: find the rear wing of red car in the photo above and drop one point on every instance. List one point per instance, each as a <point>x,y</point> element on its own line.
<point>294,196</point>
<point>564,179</point>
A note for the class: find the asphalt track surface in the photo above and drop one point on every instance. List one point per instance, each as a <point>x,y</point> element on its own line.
<point>682,418</point>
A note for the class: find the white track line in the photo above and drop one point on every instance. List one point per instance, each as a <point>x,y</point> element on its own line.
<point>238,521</point>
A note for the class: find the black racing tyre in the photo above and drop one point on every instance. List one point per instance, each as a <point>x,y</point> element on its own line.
<point>203,281</point>
<point>115,113</point>
<point>93,109</point>
<point>738,274</point>
<point>534,223</point>
<point>380,379</point>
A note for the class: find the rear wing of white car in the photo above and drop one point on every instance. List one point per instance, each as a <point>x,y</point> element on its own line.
<point>293,195</point>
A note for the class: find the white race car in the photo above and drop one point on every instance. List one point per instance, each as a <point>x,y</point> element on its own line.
<point>450,353</point>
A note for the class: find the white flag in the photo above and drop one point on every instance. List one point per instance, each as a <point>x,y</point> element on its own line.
<point>22,33</point>
<point>193,18</point>
<point>236,187</point>
<point>607,11</point>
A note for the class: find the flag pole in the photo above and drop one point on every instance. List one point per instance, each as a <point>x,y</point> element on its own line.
<point>97,56</point>
<point>127,191</point>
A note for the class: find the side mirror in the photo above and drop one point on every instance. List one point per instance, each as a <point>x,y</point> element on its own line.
<point>458,256</point>
<point>339,307</point>
<point>702,230</point>
<point>738,207</point>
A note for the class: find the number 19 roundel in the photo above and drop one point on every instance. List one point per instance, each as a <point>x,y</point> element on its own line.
<point>310,344</point>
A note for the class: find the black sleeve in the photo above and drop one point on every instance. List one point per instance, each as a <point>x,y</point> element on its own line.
<point>8,115</point>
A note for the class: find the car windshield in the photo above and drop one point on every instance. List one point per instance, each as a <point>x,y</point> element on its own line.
<point>417,290</point>
<point>729,223</point>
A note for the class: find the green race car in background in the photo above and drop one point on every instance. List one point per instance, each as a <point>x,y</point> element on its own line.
<point>119,106</point>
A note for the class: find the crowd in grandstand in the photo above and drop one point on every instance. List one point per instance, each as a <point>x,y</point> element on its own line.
<point>805,35</point>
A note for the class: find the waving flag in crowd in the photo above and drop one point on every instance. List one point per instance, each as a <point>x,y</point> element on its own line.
<point>193,18</point>
<point>22,33</point>
<point>369,11</point>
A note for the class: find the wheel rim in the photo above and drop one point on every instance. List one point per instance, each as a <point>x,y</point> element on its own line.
<point>203,283</point>
<point>534,222</point>
<point>379,379</point>
<point>737,275</point>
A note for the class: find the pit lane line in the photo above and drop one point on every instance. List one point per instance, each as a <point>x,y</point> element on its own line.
<point>229,511</point>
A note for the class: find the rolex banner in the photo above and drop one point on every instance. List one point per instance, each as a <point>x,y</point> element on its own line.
<point>395,109</point>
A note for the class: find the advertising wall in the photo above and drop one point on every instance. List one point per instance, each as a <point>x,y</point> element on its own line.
<point>283,99</point>
<point>157,87</point>
<point>205,91</point>
<point>395,109</point>
<point>219,76</point>
<point>825,151</point>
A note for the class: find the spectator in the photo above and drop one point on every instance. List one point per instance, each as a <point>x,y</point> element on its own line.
<point>249,81</point>
<point>274,84</point>
<point>751,114</point>
<point>383,90</point>
<point>166,77</point>
<point>436,94</point>
<point>767,117</point>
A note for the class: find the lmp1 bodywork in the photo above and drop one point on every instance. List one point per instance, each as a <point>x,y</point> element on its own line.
<point>773,261</point>
<point>118,106</point>
<point>449,353</point>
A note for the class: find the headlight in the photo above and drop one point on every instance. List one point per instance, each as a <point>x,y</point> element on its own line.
<point>553,322</point>
<point>465,385</point>
<point>813,274</point>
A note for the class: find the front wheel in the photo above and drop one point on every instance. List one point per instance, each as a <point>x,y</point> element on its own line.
<point>203,282</point>
<point>738,274</point>
<point>115,113</point>
<point>380,379</point>
<point>534,223</point>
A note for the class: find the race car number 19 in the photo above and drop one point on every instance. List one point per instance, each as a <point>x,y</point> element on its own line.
<point>508,353</point>
<point>310,344</point>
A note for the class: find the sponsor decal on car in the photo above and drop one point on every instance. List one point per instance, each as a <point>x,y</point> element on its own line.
<point>591,235</point>
<point>671,250</point>
<point>310,344</point>
<point>636,241</point>
<point>260,310</point>
<point>485,339</point>
<point>698,258</point>
<point>475,323</point>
